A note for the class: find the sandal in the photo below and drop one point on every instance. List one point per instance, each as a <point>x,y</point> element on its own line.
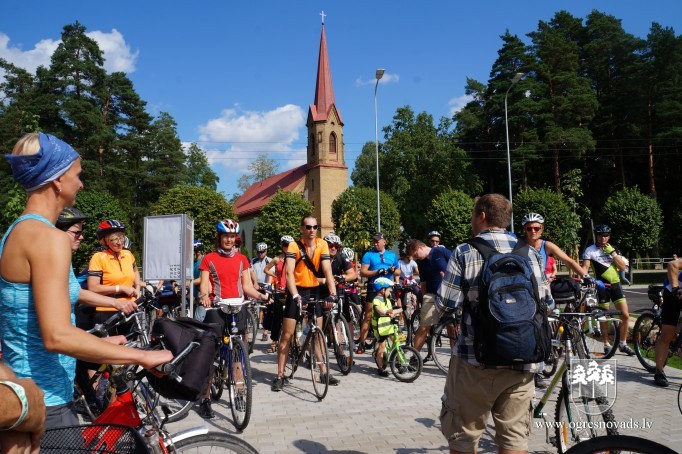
<point>272,348</point>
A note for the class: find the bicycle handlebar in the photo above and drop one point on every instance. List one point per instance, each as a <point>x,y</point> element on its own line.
<point>102,329</point>
<point>170,367</point>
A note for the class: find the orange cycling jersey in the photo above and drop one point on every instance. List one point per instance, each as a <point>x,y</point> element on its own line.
<point>114,271</point>
<point>303,276</point>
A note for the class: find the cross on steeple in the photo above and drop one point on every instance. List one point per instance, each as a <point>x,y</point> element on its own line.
<point>323,15</point>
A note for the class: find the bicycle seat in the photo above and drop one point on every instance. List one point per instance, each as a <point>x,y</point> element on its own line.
<point>230,305</point>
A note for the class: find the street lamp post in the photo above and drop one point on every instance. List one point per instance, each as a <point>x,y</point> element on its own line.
<point>516,78</point>
<point>379,75</point>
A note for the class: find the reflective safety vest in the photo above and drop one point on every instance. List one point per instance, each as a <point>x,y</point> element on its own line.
<point>381,324</point>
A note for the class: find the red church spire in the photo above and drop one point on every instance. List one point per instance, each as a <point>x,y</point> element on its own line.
<point>324,91</point>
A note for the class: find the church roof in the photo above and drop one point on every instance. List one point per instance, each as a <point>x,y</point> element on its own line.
<point>259,193</point>
<point>324,91</point>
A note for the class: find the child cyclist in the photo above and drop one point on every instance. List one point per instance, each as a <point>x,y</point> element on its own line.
<point>382,313</point>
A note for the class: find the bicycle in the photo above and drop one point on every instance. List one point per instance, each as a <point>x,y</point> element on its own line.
<point>233,366</point>
<point>314,347</point>
<point>338,337</point>
<point>573,417</point>
<point>648,328</point>
<point>405,361</point>
<point>136,410</point>
<point>621,444</point>
<point>443,337</point>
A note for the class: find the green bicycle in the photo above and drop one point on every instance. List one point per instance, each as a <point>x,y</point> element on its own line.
<point>405,361</point>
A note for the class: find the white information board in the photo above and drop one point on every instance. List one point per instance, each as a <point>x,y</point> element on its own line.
<point>168,250</point>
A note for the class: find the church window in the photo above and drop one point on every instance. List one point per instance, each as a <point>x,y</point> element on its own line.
<point>332,143</point>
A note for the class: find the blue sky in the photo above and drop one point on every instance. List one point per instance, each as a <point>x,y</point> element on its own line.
<point>238,76</point>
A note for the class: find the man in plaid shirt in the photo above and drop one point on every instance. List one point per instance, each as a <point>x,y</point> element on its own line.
<point>472,391</point>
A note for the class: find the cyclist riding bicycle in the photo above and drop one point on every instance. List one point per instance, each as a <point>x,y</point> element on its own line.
<point>607,261</point>
<point>224,274</point>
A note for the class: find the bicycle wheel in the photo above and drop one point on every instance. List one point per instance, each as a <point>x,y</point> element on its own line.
<point>219,371</point>
<point>442,342</point>
<point>217,442</point>
<point>619,443</point>
<point>251,329</point>
<point>601,337</point>
<point>574,424</point>
<point>552,363</point>
<point>413,326</point>
<point>148,401</point>
<point>645,334</point>
<point>356,320</point>
<point>241,391</point>
<point>408,366</point>
<point>317,349</point>
<point>343,350</point>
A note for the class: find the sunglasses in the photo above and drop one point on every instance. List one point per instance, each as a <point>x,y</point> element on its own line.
<point>76,234</point>
<point>607,235</point>
<point>311,227</point>
<point>533,229</point>
<point>262,252</point>
<point>335,246</point>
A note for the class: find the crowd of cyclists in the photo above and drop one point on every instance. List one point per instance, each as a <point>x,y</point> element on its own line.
<point>46,307</point>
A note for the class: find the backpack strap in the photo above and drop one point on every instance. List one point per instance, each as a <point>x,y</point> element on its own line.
<point>306,259</point>
<point>482,247</point>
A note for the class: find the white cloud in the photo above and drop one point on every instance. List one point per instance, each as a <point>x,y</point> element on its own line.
<point>388,78</point>
<point>457,104</point>
<point>117,53</point>
<point>237,137</point>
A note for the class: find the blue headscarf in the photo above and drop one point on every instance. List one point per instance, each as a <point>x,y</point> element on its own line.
<point>36,170</point>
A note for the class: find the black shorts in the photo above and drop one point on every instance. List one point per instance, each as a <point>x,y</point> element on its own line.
<point>670,311</point>
<point>223,319</point>
<point>291,309</point>
<point>613,293</point>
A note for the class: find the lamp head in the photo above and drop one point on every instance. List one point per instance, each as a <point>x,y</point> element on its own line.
<point>380,73</point>
<point>517,77</point>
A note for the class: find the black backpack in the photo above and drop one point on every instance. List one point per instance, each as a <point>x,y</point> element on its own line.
<point>510,322</point>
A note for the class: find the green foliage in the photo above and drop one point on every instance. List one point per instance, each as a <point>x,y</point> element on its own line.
<point>365,171</point>
<point>635,220</point>
<point>561,224</point>
<point>16,202</point>
<point>199,173</point>
<point>355,218</point>
<point>261,168</point>
<point>98,206</point>
<point>205,206</point>
<point>281,216</point>
<point>450,214</point>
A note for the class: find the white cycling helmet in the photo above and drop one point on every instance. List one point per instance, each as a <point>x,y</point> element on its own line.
<point>382,282</point>
<point>286,239</point>
<point>433,233</point>
<point>227,226</point>
<point>332,239</point>
<point>532,217</point>
<point>260,247</point>
<point>348,253</point>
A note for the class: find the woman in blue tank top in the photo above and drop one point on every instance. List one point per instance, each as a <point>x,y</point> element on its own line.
<point>38,288</point>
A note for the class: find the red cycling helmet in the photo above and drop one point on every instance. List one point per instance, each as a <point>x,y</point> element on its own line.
<point>109,226</point>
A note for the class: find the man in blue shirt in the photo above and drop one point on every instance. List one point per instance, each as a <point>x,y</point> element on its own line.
<point>375,263</point>
<point>432,263</point>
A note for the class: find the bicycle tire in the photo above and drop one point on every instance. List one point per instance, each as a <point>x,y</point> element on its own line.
<point>356,320</point>
<point>442,343</point>
<point>291,365</point>
<point>218,382</point>
<point>229,443</point>
<point>318,346</point>
<point>645,334</point>
<point>240,402</point>
<point>406,371</point>
<point>620,443</point>
<point>566,414</point>
<point>342,343</point>
<point>595,345</point>
<point>552,363</point>
<point>251,329</point>
<point>414,326</point>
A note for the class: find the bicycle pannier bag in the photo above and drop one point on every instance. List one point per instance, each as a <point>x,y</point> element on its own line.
<point>565,290</point>
<point>197,367</point>
<point>510,322</point>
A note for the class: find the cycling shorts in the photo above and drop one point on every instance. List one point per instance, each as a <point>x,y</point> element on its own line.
<point>613,293</point>
<point>670,311</point>
<point>291,309</point>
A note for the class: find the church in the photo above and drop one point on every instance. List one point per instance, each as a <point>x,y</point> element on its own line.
<point>323,177</point>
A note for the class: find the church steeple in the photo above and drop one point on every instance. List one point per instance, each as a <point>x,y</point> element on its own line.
<point>324,90</point>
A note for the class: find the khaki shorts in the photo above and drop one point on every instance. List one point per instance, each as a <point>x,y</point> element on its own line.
<point>472,393</point>
<point>427,314</point>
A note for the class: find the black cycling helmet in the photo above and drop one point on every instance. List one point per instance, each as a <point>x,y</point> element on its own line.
<point>109,226</point>
<point>602,228</point>
<point>68,217</point>
<point>198,246</point>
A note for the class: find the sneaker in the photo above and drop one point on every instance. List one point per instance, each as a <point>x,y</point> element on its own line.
<point>359,350</point>
<point>205,410</point>
<point>264,338</point>
<point>660,379</point>
<point>540,382</point>
<point>607,348</point>
<point>332,381</point>
<point>382,372</point>
<point>277,384</point>
<point>627,350</point>
<point>427,358</point>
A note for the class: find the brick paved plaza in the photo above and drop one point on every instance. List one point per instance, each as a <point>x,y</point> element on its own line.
<point>370,414</point>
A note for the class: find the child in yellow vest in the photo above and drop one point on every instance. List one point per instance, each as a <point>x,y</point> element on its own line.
<point>382,313</point>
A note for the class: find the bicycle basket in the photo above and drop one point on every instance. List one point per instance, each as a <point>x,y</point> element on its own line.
<point>100,438</point>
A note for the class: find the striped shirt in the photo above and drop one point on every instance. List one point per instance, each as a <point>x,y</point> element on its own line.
<point>460,284</point>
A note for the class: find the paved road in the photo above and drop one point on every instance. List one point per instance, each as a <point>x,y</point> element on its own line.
<point>367,413</point>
